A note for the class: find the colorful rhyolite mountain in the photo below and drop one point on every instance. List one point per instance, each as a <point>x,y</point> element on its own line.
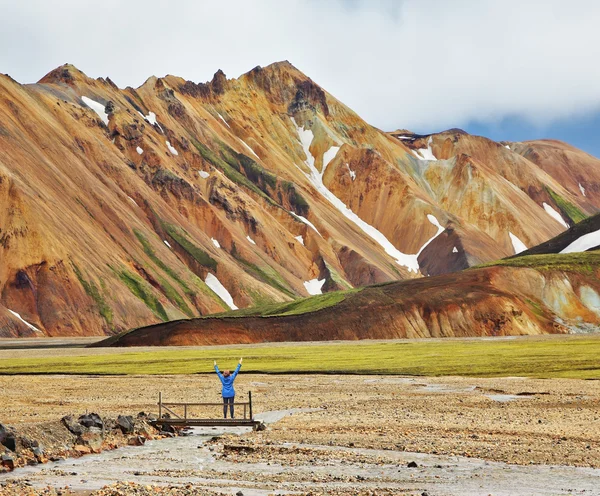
<point>126,207</point>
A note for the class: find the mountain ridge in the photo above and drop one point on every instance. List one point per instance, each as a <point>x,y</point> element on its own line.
<point>119,203</point>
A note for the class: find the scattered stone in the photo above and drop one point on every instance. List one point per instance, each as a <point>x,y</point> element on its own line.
<point>412,465</point>
<point>74,427</point>
<point>93,439</point>
<point>8,462</point>
<point>7,438</point>
<point>82,450</point>
<point>91,420</point>
<point>125,423</point>
<point>167,429</point>
<point>136,441</point>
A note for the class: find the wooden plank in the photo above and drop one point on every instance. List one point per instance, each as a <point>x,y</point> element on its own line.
<point>208,422</point>
<point>171,411</point>
<point>201,404</point>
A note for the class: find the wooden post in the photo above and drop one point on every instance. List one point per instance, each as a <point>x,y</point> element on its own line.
<point>250,402</point>
<point>185,412</point>
<point>159,405</point>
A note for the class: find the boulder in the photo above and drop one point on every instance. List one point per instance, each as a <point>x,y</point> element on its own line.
<point>7,461</point>
<point>125,423</point>
<point>82,450</point>
<point>92,438</point>
<point>7,437</point>
<point>167,429</point>
<point>91,420</point>
<point>73,427</point>
<point>38,452</point>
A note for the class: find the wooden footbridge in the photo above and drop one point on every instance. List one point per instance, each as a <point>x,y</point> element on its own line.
<point>181,414</point>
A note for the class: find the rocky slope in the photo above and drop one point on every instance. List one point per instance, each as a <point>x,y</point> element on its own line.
<point>553,288</point>
<point>125,207</point>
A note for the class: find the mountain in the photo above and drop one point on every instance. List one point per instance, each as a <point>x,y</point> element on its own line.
<point>542,293</point>
<point>126,207</point>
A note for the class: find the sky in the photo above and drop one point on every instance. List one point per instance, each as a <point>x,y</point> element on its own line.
<point>506,69</point>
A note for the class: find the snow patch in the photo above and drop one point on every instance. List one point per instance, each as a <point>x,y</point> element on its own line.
<point>213,283</point>
<point>203,174</point>
<point>518,245</point>
<point>352,173</point>
<point>32,327</point>
<point>167,243</point>
<point>435,222</point>
<point>249,149</point>
<point>221,117</point>
<point>96,107</point>
<point>139,150</point>
<point>582,189</point>
<point>300,239</point>
<point>151,118</point>
<point>584,243</point>
<point>307,222</point>
<point>215,242</point>
<point>328,156</point>
<point>251,240</point>
<point>316,178</point>
<point>506,146</point>
<point>554,214</point>
<point>425,153</point>
<point>455,250</point>
<point>405,137</point>
<point>313,287</point>
<point>171,149</point>
<point>133,201</point>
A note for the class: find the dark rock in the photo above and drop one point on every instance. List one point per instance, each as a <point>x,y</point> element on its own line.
<point>73,426</point>
<point>166,428</point>
<point>239,493</point>
<point>92,438</point>
<point>219,82</point>
<point>261,426</point>
<point>125,423</point>
<point>8,462</point>
<point>412,465</point>
<point>7,437</point>
<point>91,420</point>
<point>136,441</point>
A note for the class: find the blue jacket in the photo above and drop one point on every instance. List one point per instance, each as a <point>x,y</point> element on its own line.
<point>228,391</point>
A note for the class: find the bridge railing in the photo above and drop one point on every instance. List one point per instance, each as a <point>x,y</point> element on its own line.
<point>188,408</point>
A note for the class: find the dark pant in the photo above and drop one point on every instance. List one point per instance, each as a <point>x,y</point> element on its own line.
<point>228,401</point>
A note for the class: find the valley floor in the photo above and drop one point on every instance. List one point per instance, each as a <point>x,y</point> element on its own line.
<point>514,420</point>
<point>468,435</point>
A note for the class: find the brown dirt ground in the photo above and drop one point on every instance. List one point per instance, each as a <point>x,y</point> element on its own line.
<point>551,423</point>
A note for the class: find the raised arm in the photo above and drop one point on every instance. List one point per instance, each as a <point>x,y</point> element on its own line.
<point>237,369</point>
<point>219,375</point>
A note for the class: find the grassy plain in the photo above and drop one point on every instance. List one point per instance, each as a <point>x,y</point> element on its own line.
<point>575,357</point>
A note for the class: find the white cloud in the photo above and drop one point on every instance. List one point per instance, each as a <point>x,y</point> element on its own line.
<point>412,63</point>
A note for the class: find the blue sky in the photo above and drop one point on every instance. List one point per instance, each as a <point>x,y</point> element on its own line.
<point>582,131</point>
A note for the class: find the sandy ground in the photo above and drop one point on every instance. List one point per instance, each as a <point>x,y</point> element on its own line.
<point>550,421</point>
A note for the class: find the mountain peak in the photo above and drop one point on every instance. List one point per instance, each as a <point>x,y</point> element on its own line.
<point>66,73</point>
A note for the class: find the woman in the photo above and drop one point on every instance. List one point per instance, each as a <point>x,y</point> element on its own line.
<point>228,392</point>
